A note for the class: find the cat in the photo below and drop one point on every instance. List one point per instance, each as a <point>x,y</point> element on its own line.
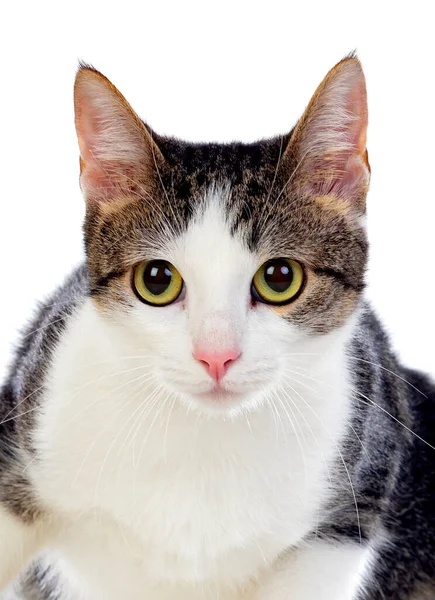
<point>208,407</point>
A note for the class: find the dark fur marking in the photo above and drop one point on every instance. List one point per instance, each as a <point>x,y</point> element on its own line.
<point>341,277</point>
<point>103,282</point>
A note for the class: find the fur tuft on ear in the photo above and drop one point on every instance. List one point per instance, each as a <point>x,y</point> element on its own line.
<point>328,144</point>
<point>117,153</point>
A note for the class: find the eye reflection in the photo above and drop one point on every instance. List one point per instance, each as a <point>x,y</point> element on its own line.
<point>157,282</point>
<point>278,281</point>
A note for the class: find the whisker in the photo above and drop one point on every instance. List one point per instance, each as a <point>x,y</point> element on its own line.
<point>139,385</point>
<point>165,437</point>
<point>14,408</point>
<point>159,411</point>
<point>343,462</point>
<point>388,371</point>
<point>153,402</point>
<point>310,429</point>
<point>260,218</point>
<point>20,415</point>
<point>44,385</point>
<point>293,379</point>
<point>297,437</point>
<point>59,320</point>
<point>362,360</point>
<point>103,465</point>
<point>176,220</point>
<point>275,202</point>
<point>275,415</point>
<point>79,413</point>
<point>139,409</point>
<point>142,188</point>
<point>144,196</point>
<point>373,403</point>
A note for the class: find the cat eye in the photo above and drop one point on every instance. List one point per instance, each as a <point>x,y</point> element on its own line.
<point>157,282</point>
<point>278,281</point>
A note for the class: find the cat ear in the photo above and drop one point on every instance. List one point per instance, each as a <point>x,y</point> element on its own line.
<point>328,145</point>
<point>117,153</point>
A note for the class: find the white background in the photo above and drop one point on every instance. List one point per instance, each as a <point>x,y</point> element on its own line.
<point>216,71</point>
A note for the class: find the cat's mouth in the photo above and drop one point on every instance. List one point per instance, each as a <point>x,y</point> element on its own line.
<point>220,394</point>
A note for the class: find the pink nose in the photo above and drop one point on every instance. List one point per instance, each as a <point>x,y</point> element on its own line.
<point>216,363</point>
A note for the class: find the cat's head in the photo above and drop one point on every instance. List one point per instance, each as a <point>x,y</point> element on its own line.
<point>220,262</point>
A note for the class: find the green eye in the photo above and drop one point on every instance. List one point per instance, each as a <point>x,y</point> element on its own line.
<point>278,281</point>
<point>157,282</point>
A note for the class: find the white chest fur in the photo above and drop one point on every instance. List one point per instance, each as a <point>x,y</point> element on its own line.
<point>147,493</point>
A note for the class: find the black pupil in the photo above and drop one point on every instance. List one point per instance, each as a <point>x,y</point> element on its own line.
<point>278,275</point>
<point>157,277</point>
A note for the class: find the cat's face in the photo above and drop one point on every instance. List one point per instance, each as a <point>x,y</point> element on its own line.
<point>221,264</point>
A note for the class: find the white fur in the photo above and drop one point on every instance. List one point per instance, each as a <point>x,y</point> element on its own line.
<point>158,489</point>
<point>19,544</point>
<point>320,571</point>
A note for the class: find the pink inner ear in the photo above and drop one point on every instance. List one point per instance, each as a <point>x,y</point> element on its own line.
<point>111,138</point>
<point>87,128</point>
<point>95,180</point>
<point>357,107</point>
<point>332,134</point>
<point>344,183</point>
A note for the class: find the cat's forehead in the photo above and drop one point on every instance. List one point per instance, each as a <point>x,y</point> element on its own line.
<point>248,171</point>
<point>211,236</point>
<point>199,163</point>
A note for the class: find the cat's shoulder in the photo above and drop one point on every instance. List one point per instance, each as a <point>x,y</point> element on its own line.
<point>39,338</point>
